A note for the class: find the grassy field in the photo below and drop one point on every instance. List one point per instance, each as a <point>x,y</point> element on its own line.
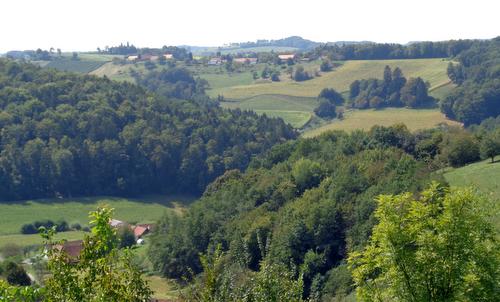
<point>36,239</point>
<point>243,92</point>
<point>483,175</point>
<point>414,119</point>
<point>75,210</point>
<point>295,110</point>
<point>114,71</point>
<point>86,62</point>
<point>162,288</point>
<point>81,66</point>
<point>432,70</point>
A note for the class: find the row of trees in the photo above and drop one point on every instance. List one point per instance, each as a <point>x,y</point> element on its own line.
<point>394,90</point>
<point>67,134</point>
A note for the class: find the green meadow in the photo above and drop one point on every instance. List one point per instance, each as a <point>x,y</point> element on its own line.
<point>414,119</point>
<point>76,210</point>
<point>483,175</point>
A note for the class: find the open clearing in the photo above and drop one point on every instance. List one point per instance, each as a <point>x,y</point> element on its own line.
<point>414,119</point>
<point>75,210</point>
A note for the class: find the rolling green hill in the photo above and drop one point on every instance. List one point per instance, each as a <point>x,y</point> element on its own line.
<point>432,70</point>
<point>295,101</point>
<point>242,92</point>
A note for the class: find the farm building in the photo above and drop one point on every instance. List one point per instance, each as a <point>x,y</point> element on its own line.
<point>132,58</point>
<point>71,248</point>
<point>286,57</point>
<point>215,61</point>
<point>251,61</point>
<point>116,223</point>
<point>141,230</point>
<point>168,56</point>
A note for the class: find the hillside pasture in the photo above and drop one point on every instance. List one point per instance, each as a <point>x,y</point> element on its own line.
<point>432,70</point>
<point>80,66</point>
<point>414,119</point>
<point>483,175</point>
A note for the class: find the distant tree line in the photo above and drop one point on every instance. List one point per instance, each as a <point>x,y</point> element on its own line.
<point>392,91</point>
<point>65,134</point>
<point>381,51</point>
<point>293,41</point>
<point>178,53</point>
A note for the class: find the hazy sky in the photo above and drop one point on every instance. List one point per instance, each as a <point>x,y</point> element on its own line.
<point>87,24</point>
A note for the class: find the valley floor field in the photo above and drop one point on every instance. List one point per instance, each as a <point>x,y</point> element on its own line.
<point>76,210</point>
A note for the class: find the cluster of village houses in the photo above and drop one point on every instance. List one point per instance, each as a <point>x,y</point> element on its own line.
<point>74,248</point>
<point>146,57</point>
<point>211,61</point>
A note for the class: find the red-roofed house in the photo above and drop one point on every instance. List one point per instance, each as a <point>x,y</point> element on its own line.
<point>71,248</point>
<point>141,230</point>
<point>286,57</point>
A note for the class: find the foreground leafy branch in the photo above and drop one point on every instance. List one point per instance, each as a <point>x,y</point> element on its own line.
<point>440,247</point>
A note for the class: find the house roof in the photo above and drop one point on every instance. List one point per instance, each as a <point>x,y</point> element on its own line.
<point>168,56</point>
<point>244,60</point>
<point>72,248</point>
<point>139,231</point>
<point>286,57</point>
<point>116,223</point>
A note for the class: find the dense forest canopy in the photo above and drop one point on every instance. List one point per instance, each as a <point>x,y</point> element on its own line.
<point>306,200</point>
<point>477,75</point>
<point>67,134</point>
<point>306,204</point>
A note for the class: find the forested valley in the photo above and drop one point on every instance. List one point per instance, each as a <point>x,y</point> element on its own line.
<point>65,134</point>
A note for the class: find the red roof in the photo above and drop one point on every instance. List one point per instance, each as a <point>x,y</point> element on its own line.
<point>139,231</point>
<point>72,248</point>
